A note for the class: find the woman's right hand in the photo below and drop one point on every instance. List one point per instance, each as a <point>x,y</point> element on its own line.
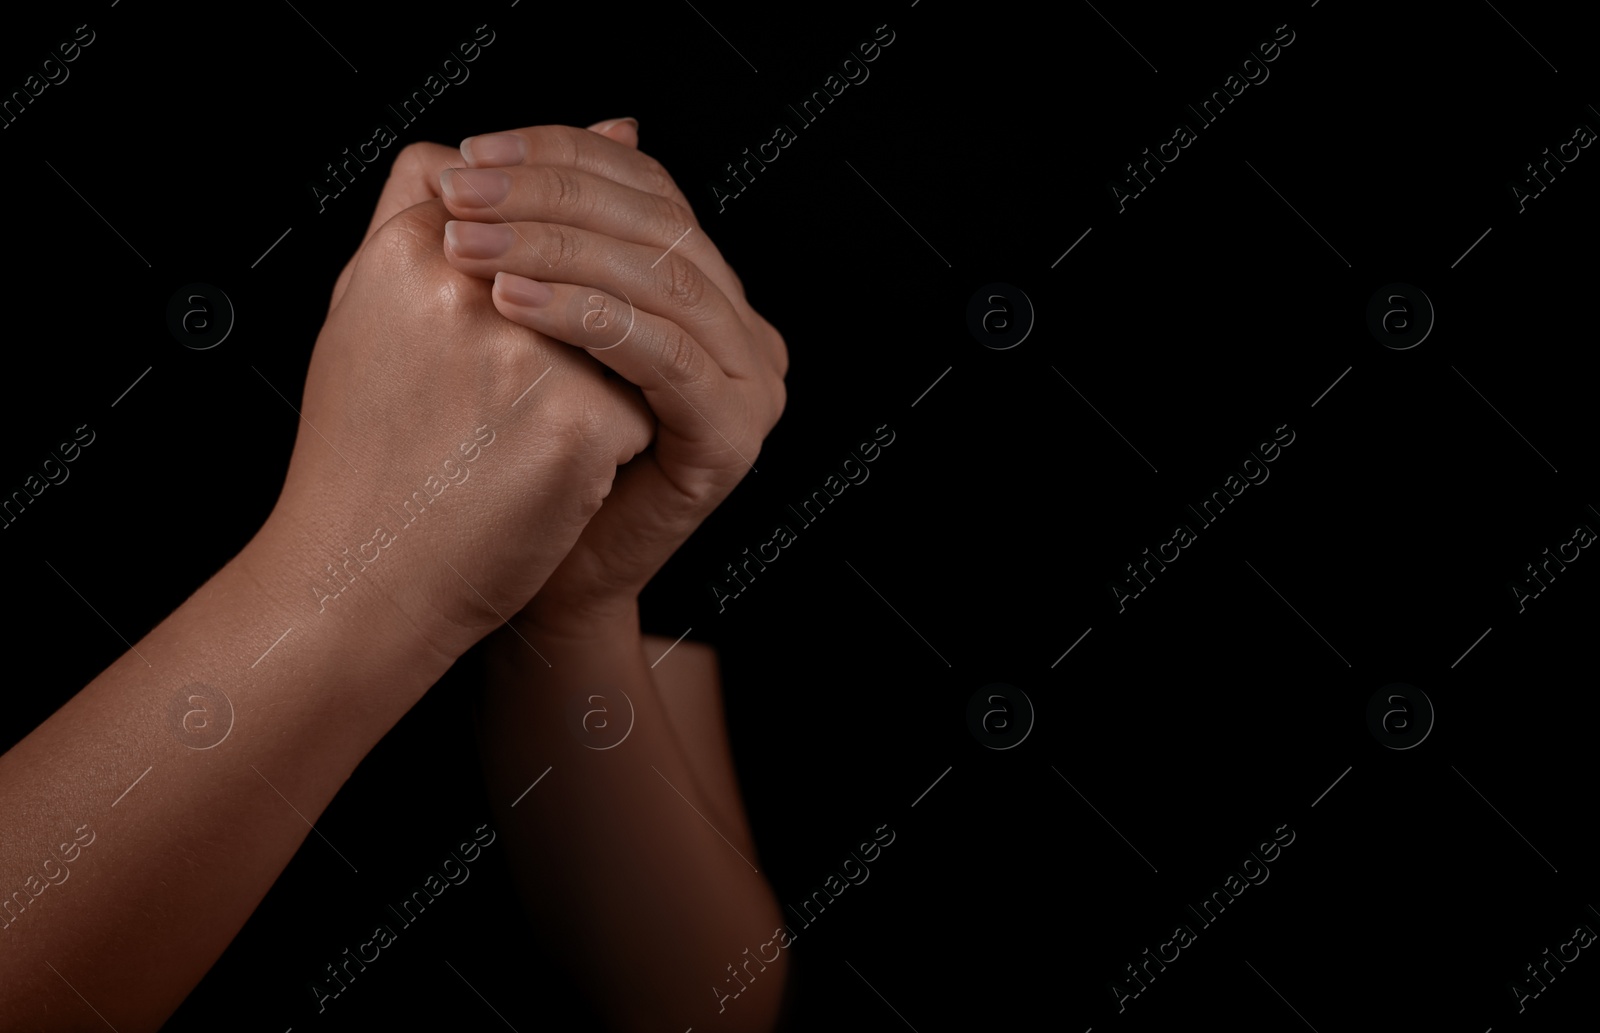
<point>447,458</point>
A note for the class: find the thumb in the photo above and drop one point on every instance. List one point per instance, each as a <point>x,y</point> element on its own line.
<point>623,130</point>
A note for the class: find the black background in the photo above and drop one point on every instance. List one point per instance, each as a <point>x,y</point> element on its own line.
<point>1221,305</point>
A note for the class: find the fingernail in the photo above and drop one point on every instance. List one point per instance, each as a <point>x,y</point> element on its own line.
<point>607,125</point>
<point>475,188</point>
<point>494,149</point>
<point>478,239</point>
<point>519,290</point>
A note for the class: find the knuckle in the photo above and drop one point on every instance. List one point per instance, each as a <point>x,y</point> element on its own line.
<point>594,493</point>
<point>411,161</point>
<point>673,218</point>
<point>678,213</point>
<point>584,444</point>
<point>591,425</point>
<point>399,247</point>
<point>559,190</point>
<point>566,440</point>
<point>690,496</point>
<point>404,255</point>
<point>679,352</point>
<point>578,424</point>
<point>564,244</point>
<point>584,489</point>
<point>454,296</point>
<point>391,250</point>
<point>658,179</point>
<point>684,285</point>
<point>557,145</point>
<point>417,167</point>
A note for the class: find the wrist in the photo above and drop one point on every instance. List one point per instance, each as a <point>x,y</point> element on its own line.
<point>563,619</point>
<point>282,560</point>
<point>566,654</point>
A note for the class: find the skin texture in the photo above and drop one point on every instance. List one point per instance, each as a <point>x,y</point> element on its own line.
<point>409,336</point>
<point>517,451</point>
<point>588,608</point>
<point>448,464</point>
<point>711,370</point>
<point>662,309</point>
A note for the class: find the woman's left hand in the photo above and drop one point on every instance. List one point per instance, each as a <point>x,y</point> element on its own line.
<point>590,242</point>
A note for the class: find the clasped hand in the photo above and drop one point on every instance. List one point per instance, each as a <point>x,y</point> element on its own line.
<point>495,287</point>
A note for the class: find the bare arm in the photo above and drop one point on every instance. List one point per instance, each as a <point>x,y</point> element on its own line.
<point>632,852</point>
<point>165,839</point>
<point>634,849</point>
<point>689,685</point>
<point>134,841</point>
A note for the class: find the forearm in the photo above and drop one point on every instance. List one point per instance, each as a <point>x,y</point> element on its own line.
<point>631,854</point>
<point>177,832</point>
<point>689,685</point>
